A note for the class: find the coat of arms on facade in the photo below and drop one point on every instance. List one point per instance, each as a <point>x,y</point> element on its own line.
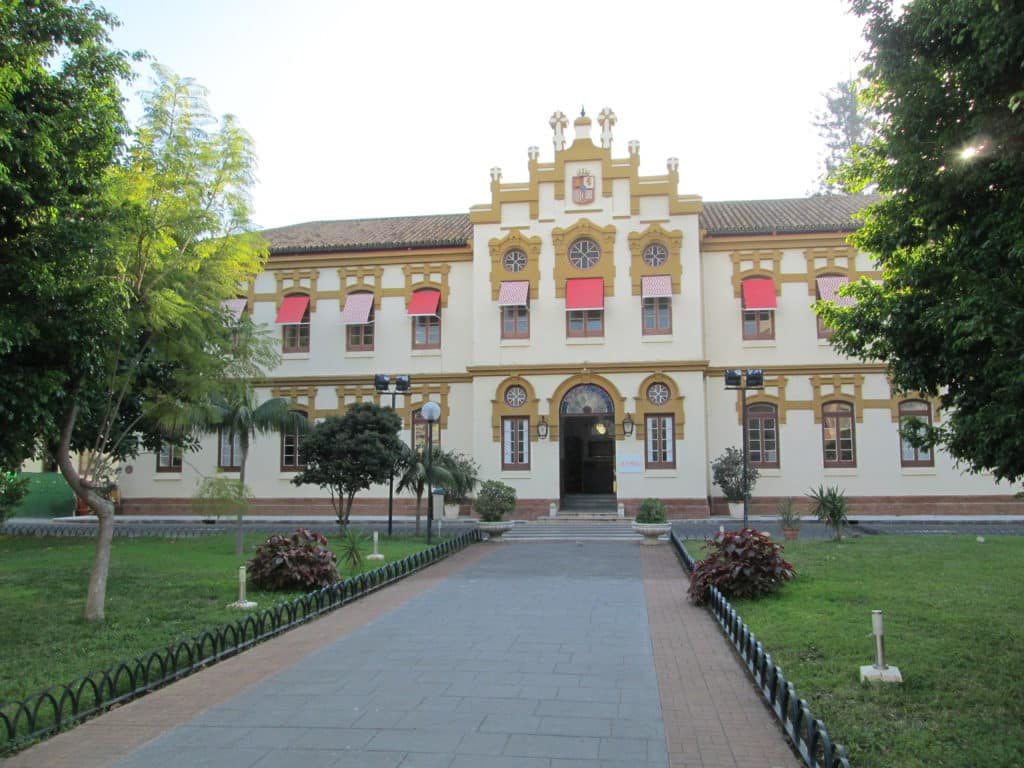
<point>583,187</point>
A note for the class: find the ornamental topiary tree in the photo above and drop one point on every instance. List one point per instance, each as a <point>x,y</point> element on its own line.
<point>494,500</point>
<point>727,474</point>
<point>744,563</point>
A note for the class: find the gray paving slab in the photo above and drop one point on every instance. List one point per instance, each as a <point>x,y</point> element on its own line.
<point>527,657</point>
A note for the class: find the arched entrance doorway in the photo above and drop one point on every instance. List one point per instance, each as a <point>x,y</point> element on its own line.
<point>587,447</point>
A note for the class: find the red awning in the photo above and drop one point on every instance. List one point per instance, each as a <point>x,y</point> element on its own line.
<point>357,309</point>
<point>514,293</point>
<point>292,309</point>
<point>827,287</point>
<point>654,286</point>
<point>235,307</point>
<point>584,293</point>
<point>424,303</point>
<point>759,293</point>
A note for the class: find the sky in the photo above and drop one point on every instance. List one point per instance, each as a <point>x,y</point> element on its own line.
<point>395,108</point>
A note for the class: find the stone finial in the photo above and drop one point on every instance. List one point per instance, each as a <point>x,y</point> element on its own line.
<point>495,173</point>
<point>607,120</point>
<point>673,164</point>
<point>533,153</point>
<point>559,122</point>
<point>634,147</point>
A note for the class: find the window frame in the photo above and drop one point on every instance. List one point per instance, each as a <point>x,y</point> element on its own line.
<point>175,458</point>
<point>924,414</point>
<point>661,309</point>
<point>293,437</point>
<point>824,332</point>
<point>517,430</point>
<point>660,426</point>
<point>295,336</point>
<point>838,411</point>
<point>418,422</point>
<point>520,315</point>
<point>586,315</point>
<point>236,457</point>
<point>759,413</point>
<point>363,333</point>
<point>427,323</point>
<point>759,317</point>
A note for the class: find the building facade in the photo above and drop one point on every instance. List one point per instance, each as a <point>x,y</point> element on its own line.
<point>575,331</point>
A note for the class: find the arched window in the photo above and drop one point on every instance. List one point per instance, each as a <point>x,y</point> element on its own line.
<point>914,412</point>
<point>763,435</point>
<point>837,435</point>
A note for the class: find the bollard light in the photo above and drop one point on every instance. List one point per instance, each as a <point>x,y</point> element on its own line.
<point>242,602</point>
<point>376,552</point>
<point>879,671</point>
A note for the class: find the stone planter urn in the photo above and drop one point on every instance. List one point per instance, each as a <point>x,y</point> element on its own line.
<point>736,510</point>
<point>495,531</point>
<point>652,531</point>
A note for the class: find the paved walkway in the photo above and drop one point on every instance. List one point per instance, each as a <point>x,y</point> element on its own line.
<point>539,655</point>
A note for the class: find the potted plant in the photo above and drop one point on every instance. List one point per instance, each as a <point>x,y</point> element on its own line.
<point>651,522</point>
<point>727,473</point>
<point>830,506</point>
<point>789,518</point>
<point>494,500</point>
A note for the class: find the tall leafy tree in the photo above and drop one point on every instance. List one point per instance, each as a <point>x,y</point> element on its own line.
<point>944,78</point>
<point>61,126</point>
<point>349,453</point>
<point>179,245</point>
<point>845,123</point>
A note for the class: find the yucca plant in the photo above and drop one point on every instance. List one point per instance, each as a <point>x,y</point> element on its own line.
<point>829,505</point>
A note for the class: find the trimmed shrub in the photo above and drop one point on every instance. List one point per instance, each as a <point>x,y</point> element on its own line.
<point>300,561</point>
<point>494,500</point>
<point>651,511</point>
<point>744,563</point>
<point>13,488</point>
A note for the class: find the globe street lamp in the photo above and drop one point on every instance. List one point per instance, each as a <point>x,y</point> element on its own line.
<point>754,380</point>
<point>382,383</point>
<point>431,412</point>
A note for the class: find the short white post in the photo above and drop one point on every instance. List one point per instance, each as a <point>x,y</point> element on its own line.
<point>552,510</point>
<point>242,602</point>
<point>621,509</point>
<point>376,552</point>
<point>879,671</point>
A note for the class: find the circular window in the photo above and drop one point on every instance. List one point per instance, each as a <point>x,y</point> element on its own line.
<point>584,253</point>
<point>515,396</point>
<point>658,394</point>
<point>655,255</point>
<point>514,260</point>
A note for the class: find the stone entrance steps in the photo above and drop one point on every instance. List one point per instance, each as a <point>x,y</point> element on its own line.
<point>559,529</point>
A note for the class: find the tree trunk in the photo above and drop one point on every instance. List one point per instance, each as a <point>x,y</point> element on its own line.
<point>239,529</point>
<point>348,508</point>
<point>96,597</point>
<point>419,498</point>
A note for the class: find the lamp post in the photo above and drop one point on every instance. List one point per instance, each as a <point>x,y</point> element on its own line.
<point>754,380</point>
<point>431,412</point>
<point>382,383</point>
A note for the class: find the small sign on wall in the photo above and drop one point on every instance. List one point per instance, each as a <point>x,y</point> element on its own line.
<point>631,465</point>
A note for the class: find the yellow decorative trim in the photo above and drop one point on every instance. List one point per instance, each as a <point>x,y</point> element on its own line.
<point>421,276</point>
<point>360,279</point>
<point>296,281</point>
<point>531,272</point>
<point>569,369</point>
<point>584,377</point>
<point>776,383</point>
<point>303,397</point>
<point>710,243</point>
<point>839,388</point>
<point>375,257</point>
<point>638,268</point>
<point>605,267</point>
<point>673,406</point>
<point>350,394</point>
<point>747,264</point>
<point>420,394</point>
<point>899,397</point>
<point>500,409</point>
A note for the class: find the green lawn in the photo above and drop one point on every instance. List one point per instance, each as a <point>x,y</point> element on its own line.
<point>954,621</point>
<point>159,590</point>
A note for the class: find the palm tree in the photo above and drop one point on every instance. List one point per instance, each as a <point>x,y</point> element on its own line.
<point>237,414</point>
<point>412,474</point>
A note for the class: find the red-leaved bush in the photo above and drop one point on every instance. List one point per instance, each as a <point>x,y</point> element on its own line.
<point>744,563</point>
<point>300,561</point>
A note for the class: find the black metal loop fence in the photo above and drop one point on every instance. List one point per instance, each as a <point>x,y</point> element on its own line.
<point>808,735</point>
<point>45,713</point>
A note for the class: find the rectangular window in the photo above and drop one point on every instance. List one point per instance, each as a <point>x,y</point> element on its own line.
<point>419,431</point>
<point>912,411</point>
<point>292,459</point>
<point>515,442</point>
<point>359,338</point>
<point>657,314</point>
<point>661,441</point>
<point>763,436</point>
<point>426,332</point>
<point>295,338</point>
<point>758,324</point>
<point>229,451</point>
<point>838,436</point>
<point>168,458</point>
<point>584,322</point>
<point>515,322</point>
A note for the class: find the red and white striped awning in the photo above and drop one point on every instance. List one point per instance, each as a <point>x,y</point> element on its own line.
<point>759,293</point>
<point>584,293</point>
<point>514,293</point>
<point>654,286</point>
<point>424,303</point>
<point>357,309</point>
<point>829,285</point>
<point>292,310</point>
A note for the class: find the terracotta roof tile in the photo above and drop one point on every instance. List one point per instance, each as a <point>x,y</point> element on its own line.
<point>824,213</point>
<point>441,231</point>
